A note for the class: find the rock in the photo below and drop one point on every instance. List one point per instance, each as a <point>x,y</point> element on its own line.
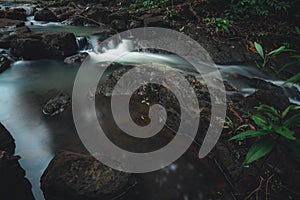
<point>271,98</point>
<point>78,58</point>
<point>99,14</point>
<point>64,43</point>
<point>30,49</point>
<point>14,14</point>
<point>7,142</point>
<point>135,24</point>
<point>4,63</point>
<point>65,16</point>
<point>77,20</point>
<point>10,22</point>
<point>157,21</point>
<point>45,15</point>
<point>21,31</point>
<point>57,104</point>
<point>46,46</point>
<point>13,184</point>
<point>123,15</point>
<point>72,176</point>
<point>119,24</point>
<point>5,40</point>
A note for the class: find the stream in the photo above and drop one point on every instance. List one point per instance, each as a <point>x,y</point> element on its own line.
<point>28,85</point>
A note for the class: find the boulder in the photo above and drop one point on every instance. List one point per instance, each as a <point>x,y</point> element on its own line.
<point>135,24</point>
<point>5,40</point>
<point>30,49</point>
<point>78,58</point>
<point>46,46</point>
<point>124,15</point>
<point>57,104</point>
<point>13,184</point>
<point>64,43</point>
<point>7,142</point>
<point>4,64</point>
<point>10,22</point>
<point>73,176</point>
<point>45,15</point>
<point>119,24</point>
<point>271,98</point>
<point>14,14</point>
<point>156,21</point>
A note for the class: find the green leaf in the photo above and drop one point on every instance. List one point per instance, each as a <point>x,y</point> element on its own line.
<point>249,133</point>
<point>225,28</point>
<point>277,51</point>
<point>287,110</point>
<point>260,121</point>
<point>285,132</point>
<point>297,30</point>
<point>292,121</point>
<point>258,150</point>
<point>259,49</point>
<point>269,109</point>
<point>285,66</point>
<point>296,56</point>
<point>292,79</point>
<point>273,118</point>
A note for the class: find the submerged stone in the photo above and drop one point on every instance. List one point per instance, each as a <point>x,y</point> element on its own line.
<point>57,104</point>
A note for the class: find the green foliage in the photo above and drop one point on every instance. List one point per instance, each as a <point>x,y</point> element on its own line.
<point>220,24</point>
<point>296,77</point>
<point>150,4</point>
<point>273,127</point>
<point>245,9</point>
<point>267,55</point>
<point>293,79</point>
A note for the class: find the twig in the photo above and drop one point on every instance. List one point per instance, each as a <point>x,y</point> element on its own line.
<point>256,189</point>
<point>267,185</point>
<point>89,19</point>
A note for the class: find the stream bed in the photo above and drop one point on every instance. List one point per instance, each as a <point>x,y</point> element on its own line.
<point>28,85</point>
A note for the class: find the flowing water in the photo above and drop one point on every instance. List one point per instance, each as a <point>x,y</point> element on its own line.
<point>27,85</point>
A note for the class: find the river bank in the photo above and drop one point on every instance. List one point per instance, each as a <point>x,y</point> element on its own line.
<point>34,75</point>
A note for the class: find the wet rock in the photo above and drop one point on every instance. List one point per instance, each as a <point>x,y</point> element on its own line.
<point>46,46</point>
<point>226,52</point>
<point>271,98</point>
<point>4,63</point>
<point>64,16</point>
<point>98,13</point>
<point>21,31</point>
<point>13,184</point>
<point>10,22</point>
<point>45,15</point>
<point>7,142</point>
<point>14,14</point>
<point>63,13</point>
<point>78,58</point>
<point>135,24</point>
<point>64,43</point>
<point>30,49</point>
<point>119,24</point>
<point>5,40</point>
<point>157,21</point>
<point>123,15</point>
<point>72,176</point>
<point>57,104</point>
